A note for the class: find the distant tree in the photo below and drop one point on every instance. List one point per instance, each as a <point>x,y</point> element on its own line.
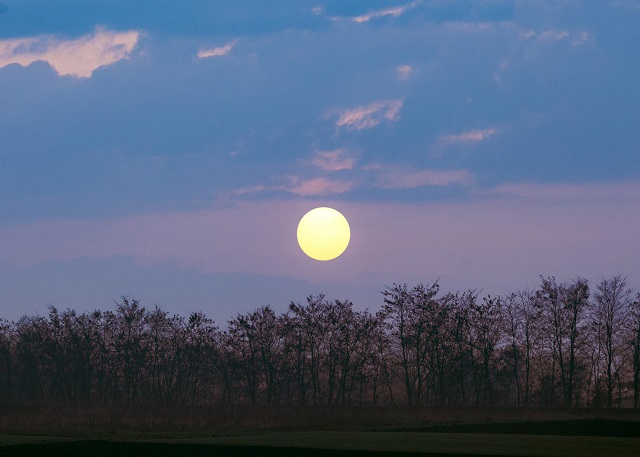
<point>130,346</point>
<point>562,309</point>
<point>612,302</point>
<point>7,356</point>
<point>486,333</point>
<point>513,327</point>
<point>407,311</point>
<point>528,317</point>
<point>634,340</point>
<point>576,296</point>
<point>462,347</point>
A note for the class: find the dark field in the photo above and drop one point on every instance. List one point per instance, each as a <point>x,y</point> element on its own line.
<point>322,432</point>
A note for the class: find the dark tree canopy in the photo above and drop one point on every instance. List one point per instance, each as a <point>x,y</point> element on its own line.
<point>563,344</point>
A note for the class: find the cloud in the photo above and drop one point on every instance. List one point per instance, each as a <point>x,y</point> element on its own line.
<point>404,72</point>
<point>469,27</point>
<point>553,35</point>
<point>401,178</point>
<point>395,11</point>
<point>602,192</point>
<point>217,52</point>
<point>365,117</point>
<point>253,190</point>
<point>319,186</point>
<point>550,36</point>
<point>78,58</point>
<point>300,187</point>
<point>471,136</point>
<point>333,160</point>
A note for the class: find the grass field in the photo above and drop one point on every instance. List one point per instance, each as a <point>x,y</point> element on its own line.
<point>549,433</point>
<point>330,443</point>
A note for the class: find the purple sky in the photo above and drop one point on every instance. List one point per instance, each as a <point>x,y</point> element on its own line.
<point>169,154</point>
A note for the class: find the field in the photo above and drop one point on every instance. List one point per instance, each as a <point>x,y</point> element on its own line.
<point>381,432</point>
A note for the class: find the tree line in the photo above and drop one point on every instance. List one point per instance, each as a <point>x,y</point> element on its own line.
<point>561,344</point>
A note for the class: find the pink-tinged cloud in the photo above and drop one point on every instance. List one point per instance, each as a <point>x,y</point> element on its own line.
<point>335,160</point>
<point>78,58</point>
<point>252,190</point>
<point>320,186</point>
<point>217,52</point>
<point>404,72</point>
<point>365,117</point>
<point>562,192</point>
<point>395,178</point>
<point>396,11</point>
<point>471,136</point>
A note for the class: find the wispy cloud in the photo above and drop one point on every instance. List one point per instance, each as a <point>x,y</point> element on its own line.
<point>301,187</point>
<point>79,57</point>
<point>550,36</point>
<point>319,186</point>
<point>553,35</point>
<point>335,160</point>
<point>394,11</point>
<point>402,178</point>
<point>469,27</point>
<point>404,72</point>
<point>253,190</point>
<point>365,117</point>
<point>217,52</point>
<point>470,136</point>
<point>604,192</point>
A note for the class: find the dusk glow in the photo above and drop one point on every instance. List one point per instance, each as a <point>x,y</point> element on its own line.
<point>482,143</point>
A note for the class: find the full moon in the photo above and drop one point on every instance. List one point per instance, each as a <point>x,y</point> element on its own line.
<point>323,233</point>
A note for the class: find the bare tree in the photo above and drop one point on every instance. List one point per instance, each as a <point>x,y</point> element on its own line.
<point>406,311</point>
<point>612,301</point>
<point>562,308</point>
<point>634,339</point>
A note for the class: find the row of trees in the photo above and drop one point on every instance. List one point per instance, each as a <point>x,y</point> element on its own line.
<point>558,345</point>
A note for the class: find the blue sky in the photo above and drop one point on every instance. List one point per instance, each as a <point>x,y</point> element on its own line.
<point>167,150</point>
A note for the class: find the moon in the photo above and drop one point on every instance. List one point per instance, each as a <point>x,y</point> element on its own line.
<point>323,233</point>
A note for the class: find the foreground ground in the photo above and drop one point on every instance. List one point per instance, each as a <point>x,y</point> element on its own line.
<point>585,437</point>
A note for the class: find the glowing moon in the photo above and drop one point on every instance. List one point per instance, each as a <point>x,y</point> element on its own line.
<point>323,233</point>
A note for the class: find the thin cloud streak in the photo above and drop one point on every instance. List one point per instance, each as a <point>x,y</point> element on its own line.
<point>395,178</point>
<point>368,116</point>
<point>552,36</point>
<point>217,52</point>
<point>559,192</point>
<point>320,186</point>
<point>78,58</point>
<point>335,160</point>
<point>471,136</point>
<point>396,11</point>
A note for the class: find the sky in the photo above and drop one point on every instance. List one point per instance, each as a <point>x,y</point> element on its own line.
<point>166,150</point>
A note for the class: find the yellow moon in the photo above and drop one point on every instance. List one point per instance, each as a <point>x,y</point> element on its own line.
<point>323,233</point>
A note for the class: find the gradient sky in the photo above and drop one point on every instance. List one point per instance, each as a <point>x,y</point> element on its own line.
<point>167,150</point>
